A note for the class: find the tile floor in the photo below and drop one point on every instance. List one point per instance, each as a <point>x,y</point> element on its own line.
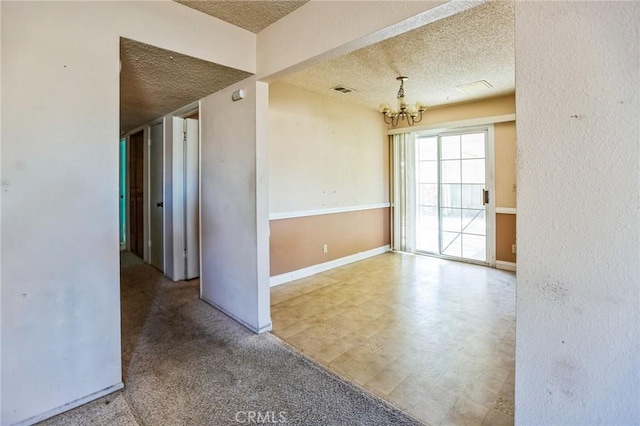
<point>435,338</point>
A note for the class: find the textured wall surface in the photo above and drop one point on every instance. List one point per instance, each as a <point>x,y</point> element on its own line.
<point>60,263</point>
<point>578,304</point>
<point>234,216</point>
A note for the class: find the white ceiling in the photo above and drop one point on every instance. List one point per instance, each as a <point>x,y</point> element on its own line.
<point>253,15</point>
<point>477,44</point>
<point>155,82</point>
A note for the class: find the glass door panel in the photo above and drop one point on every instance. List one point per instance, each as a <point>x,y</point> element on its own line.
<point>451,174</point>
<point>427,171</point>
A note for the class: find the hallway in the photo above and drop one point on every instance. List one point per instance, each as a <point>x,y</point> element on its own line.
<point>185,363</point>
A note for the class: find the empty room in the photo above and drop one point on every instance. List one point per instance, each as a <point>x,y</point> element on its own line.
<point>408,212</point>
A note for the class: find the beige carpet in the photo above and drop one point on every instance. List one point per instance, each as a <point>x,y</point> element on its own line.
<point>186,363</point>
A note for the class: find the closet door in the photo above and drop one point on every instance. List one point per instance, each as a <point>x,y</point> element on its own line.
<point>192,199</point>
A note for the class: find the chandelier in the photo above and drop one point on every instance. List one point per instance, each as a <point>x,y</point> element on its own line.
<point>404,112</point>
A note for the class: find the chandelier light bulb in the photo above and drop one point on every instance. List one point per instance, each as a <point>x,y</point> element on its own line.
<point>411,114</point>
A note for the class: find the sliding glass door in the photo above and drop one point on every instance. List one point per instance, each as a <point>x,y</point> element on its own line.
<point>452,195</point>
<point>442,194</point>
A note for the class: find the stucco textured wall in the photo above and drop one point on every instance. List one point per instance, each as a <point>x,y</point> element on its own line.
<point>234,204</point>
<point>60,273</point>
<point>578,302</point>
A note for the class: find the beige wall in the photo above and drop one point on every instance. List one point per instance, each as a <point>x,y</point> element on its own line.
<point>490,107</point>
<point>505,172</point>
<point>297,243</point>
<point>505,163</point>
<point>505,237</point>
<point>324,154</point>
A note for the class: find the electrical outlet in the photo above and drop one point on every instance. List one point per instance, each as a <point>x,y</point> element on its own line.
<point>325,248</point>
<point>513,248</point>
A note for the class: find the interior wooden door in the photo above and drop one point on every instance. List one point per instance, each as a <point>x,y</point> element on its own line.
<point>136,193</point>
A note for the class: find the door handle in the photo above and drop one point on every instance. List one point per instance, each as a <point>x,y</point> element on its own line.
<point>160,204</point>
<point>485,197</point>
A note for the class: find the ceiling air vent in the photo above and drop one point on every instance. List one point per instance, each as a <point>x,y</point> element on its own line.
<point>343,89</point>
<point>475,87</point>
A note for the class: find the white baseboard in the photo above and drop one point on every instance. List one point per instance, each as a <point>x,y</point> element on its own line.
<point>321,267</point>
<point>256,330</point>
<point>507,266</point>
<point>69,406</point>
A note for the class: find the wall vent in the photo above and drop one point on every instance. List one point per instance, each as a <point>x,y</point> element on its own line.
<point>343,89</point>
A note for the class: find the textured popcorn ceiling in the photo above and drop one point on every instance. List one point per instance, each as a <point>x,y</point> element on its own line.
<point>251,15</point>
<point>477,44</point>
<point>155,81</point>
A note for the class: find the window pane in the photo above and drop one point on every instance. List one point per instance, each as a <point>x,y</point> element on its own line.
<point>473,145</point>
<point>428,217</point>
<point>473,171</point>
<point>474,222</point>
<point>451,244</point>
<point>472,196</point>
<point>450,171</point>
<point>428,228</point>
<point>428,148</point>
<point>450,196</point>
<point>474,247</point>
<point>427,240</point>
<point>428,172</point>
<point>451,219</point>
<point>450,147</point>
<point>428,194</point>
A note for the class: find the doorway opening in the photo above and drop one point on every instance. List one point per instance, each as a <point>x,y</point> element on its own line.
<point>453,195</point>
<point>135,172</point>
<point>123,193</point>
<point>443,192</point>
<point>186,193</point>
<point>162,169</point>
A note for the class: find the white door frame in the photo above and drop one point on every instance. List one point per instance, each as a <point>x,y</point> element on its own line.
<point>490,209</point>
<point>177,250</point>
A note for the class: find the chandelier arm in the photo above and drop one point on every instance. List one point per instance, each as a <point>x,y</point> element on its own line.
<point>410,121</point>
<point>385,116</point>
<point>394,123</point>
<point>419,117</point>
